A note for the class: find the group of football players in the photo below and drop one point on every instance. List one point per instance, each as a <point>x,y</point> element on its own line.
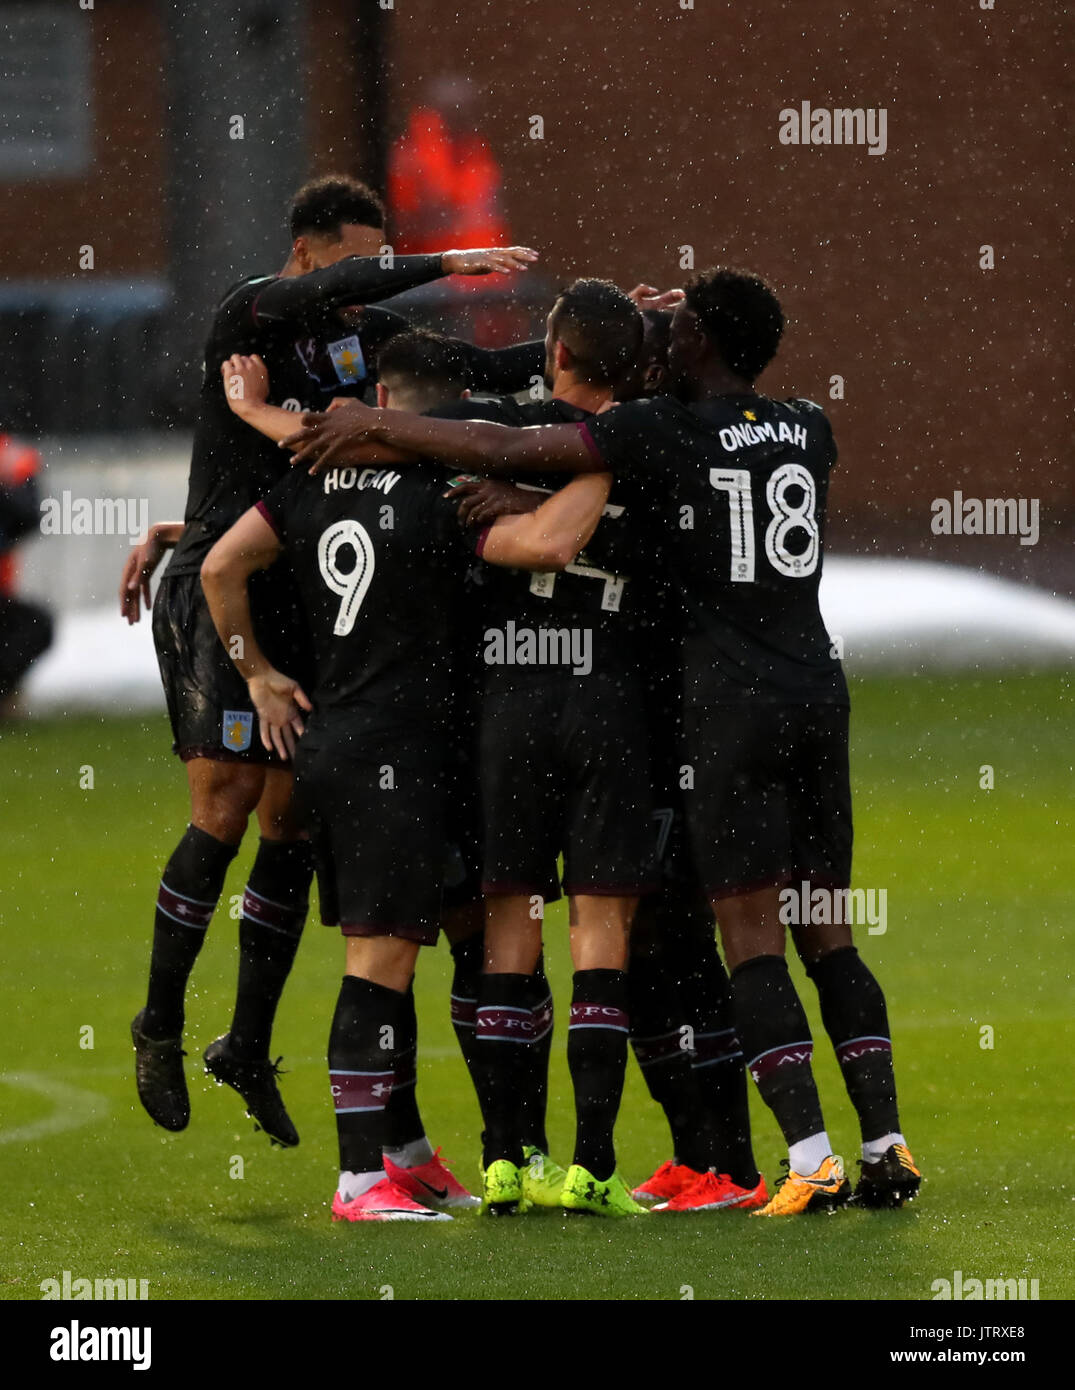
<point>550,604</point>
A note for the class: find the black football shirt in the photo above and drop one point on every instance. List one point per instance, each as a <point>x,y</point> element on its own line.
<point>594,595</point>
<point>379,560</point>
<point>733,490</point>
<point>319,338</point>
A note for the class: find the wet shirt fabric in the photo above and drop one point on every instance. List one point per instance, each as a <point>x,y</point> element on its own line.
<point>318,340</point>
<point>548,627</point>
<point>733,491</point>
<point>379,560</point>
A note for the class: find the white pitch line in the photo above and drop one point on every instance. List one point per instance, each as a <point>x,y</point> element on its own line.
<point>73,1107</point>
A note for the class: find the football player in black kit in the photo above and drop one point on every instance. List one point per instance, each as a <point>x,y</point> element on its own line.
<point>562,766</point>
<point>311,326</point>
<point>379,561</point>
<point>733,487</point>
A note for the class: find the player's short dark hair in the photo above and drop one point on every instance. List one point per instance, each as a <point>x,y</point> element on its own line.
<point>423,358</point>
<point>742,316</point>
<point>600,327</point>
<point>324,205</point>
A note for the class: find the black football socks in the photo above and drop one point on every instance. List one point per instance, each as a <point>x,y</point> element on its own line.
<point>403,1122</point>
<point>503,1027</point>
<point>186,900</point>
<point>467,963</point>
<point>361,1063</point>
<point>717,1060</point>
<point>273,916</point>
<point>597,1060</point>
<point>855,1018</point>
<point>661,1039</point>
<point>535,1062</point>
<point>772,1027</point>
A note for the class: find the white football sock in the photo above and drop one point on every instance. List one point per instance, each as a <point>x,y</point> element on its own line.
<point>352,1185</point>
<point>873,1149</point>
<point>411,1155</point>
<point>808,1155</point>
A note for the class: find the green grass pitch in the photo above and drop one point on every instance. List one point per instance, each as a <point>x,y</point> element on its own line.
<point>978,906</point>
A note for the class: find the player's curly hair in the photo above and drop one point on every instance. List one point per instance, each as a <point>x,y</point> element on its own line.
<point>325,204</point>
<point>601,327</point>
<point>742,316</point>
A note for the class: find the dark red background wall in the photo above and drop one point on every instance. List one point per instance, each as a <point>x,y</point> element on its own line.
<point>661,129</point>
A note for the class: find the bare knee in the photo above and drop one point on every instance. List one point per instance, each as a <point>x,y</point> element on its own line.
<point>749,925</point>
<point>383,960</point>
<point>601,931</point>
<point>222,796</point>
<point>512,936</point>
<point>276,816</point>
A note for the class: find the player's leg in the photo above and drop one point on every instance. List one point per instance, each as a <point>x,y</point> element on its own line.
<point>535,1066</point>
<point>270,926</point>
<point>660,1038</point>
<point>409,1158</point>
<point>222,795</point>
<point>522,801</point>
<point>504,1029</point>
<point>379,871</point>
<point>362,1060</point>
<point>717,1132</point>
<point>852,1003</point>
<point>738,814</point>
<point>609,863</point>
<point>213,726</point>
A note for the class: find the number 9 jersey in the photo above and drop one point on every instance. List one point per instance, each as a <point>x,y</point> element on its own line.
<point>733,491</point>
<point>379,559</point>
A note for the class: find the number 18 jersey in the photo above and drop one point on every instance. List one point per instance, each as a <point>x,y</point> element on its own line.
<point>733,491</point>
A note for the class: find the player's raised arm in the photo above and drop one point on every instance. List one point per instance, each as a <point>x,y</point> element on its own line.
<point>246,390</point>
<point>550,537</point>
<point>477,445</point>
<point>365,279</point>
<point>250,545</point>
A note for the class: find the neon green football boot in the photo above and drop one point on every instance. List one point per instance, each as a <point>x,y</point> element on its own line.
<point>543,1180</point>
<point>502,1189</point>
<point>583,1192</point>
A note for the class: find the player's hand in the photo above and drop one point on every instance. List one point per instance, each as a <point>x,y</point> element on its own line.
<point>341,403</point>
<point>482,500</point>
<point>648,297</point>
<point>246,381</point>
<point>279,701</point>
<point>501,260</point>
<point>326,437</point>
<point>137,572</point>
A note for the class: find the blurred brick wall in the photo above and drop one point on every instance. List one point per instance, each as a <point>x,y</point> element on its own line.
<point>661,129</point>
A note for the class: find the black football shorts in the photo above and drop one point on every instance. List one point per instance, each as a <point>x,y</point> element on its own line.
<point>771,796</point>
<point>564,768</point>
<point>376,808</point>
<point>209,706</point>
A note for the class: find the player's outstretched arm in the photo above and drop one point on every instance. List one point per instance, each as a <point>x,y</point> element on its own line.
<point>365,279</point>
<point>246,390</point>
<point>140,565</point>
<point>250,545</point>
<point>479,446</point>
<point>551,537</point>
